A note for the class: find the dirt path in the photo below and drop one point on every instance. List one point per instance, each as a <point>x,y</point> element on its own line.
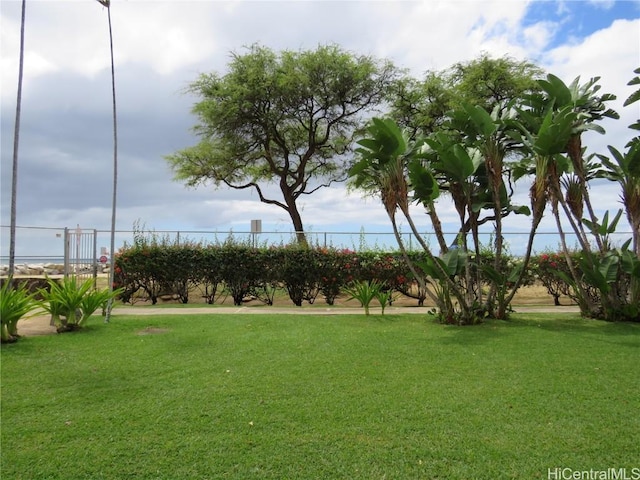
<point>39,325</point>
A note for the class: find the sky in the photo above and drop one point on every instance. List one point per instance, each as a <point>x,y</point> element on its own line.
<point>66,151</point>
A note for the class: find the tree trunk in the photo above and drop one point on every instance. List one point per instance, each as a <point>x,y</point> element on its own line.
<point>294,214</point>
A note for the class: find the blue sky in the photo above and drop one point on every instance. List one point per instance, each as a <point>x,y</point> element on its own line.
<point>161,46</point>
<point>576,19</point>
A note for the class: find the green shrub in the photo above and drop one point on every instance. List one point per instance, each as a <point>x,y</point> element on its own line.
<point>242,270</point>
<point>335,271</point>
<point>94,300</point>
<point>298,268</point>
<point>546,268</point>
<point>208,269</point>
<point>15,303</point>
<point>63,301</point>
<point>365,292</point>
<point>71,304</point>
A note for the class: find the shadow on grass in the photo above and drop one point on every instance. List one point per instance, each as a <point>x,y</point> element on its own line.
<point>619,333</point>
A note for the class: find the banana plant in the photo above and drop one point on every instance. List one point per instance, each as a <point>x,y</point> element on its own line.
<point>444,269</point>
<point>589,107</point>
<point>387,163</point>
<point>615,275</point>
<point>547,125</point>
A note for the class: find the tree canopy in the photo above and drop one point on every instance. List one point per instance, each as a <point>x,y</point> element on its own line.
<point>284,119</point>
<point>422,106</point>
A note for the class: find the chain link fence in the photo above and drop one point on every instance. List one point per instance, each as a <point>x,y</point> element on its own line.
<point>83,251</point>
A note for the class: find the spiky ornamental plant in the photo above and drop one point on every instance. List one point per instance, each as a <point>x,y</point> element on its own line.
<point>95,299</point>
<point>63,300</point>
<point>15,303</point>
<point>364,292</point>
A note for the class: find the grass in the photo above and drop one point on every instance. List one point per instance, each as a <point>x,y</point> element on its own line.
<point>309,397</point>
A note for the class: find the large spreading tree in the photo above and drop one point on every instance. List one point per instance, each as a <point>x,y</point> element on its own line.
<point>282,118</point>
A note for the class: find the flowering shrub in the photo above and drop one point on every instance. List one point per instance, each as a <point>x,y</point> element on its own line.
<point>551,270</point>
<point>299,270</point>
<point>337,269</point>
<point>244,272</point>
<point>133,272</point>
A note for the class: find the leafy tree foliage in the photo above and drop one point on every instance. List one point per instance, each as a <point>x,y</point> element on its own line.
<point>489,82</point>
<point>423,106</point>
<point>281,119</point>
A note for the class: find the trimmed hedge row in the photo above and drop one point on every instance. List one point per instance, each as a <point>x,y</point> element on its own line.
<point>152,269</point>
<point>245,272</point>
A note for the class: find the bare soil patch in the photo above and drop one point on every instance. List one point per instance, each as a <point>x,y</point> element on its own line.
<point>152,331</point>
<point>38,325</point>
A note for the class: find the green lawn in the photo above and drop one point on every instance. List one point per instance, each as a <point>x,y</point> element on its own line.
<point>321,397</point>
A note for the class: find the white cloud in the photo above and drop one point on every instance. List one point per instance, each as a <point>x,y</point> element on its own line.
<point>538,36</point>
<point>434,35</point>
<point>611,54</point>
<point>160,46</point>
<point>603,4</point>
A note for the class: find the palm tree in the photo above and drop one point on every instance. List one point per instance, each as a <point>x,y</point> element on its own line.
<point>492,137</point>
<point>571,110</point>
<point>625,169</point>
<point>16,139</point>
<point>590,108</point>
<point>390,166</point>
<point>107,5</point>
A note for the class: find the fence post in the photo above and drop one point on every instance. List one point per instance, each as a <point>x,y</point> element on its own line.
<point>67,240</point>
<point>95,259</point>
